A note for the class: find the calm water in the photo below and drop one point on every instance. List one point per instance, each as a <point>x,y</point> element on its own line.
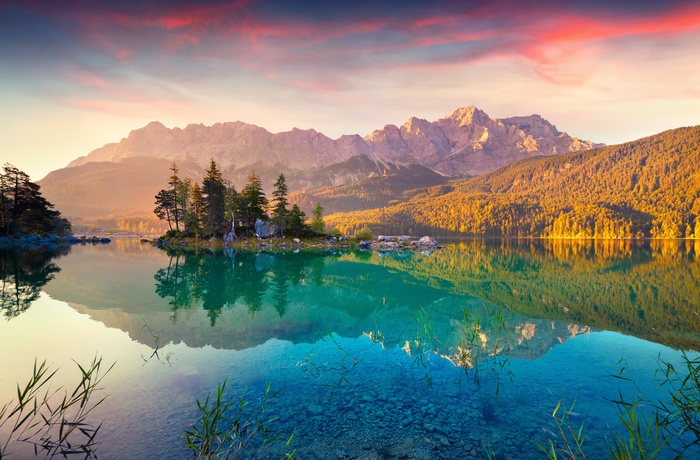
<point>399,355</point>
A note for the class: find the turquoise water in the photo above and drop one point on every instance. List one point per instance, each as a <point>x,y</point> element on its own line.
<point>397,355</point>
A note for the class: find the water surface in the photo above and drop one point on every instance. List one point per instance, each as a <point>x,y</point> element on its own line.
<point>378,355</point>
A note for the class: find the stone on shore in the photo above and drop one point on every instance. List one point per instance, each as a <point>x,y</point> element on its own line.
<point>265,229</point>
<point>426,241</point>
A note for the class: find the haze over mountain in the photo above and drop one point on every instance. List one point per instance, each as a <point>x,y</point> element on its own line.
<point>465,143</point>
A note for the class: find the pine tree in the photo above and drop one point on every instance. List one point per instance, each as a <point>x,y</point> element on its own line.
<point>234,207</point>
<point>164,206</point>
<point>213,198</point>
<point>23,209</point>
<point>296,221</point>
<point>193,217</point>
<point>255,200</point>
<point>279,210</point>
<point>174,183</point>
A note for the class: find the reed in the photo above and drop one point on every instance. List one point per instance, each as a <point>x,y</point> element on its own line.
<point>225,430</point>
<point>54,421</point>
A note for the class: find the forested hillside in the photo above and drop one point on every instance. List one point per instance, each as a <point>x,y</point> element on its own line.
<point>398,184</point>
<point>646,188</point>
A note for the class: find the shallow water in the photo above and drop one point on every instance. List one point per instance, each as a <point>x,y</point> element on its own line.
<point>373,353</point>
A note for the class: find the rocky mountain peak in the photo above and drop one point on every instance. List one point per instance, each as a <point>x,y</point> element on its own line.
<point>534,125</point>
<point>466,142</point>
<point>469,115</point>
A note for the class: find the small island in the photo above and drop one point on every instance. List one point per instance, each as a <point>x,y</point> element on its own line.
<point>215,214</point>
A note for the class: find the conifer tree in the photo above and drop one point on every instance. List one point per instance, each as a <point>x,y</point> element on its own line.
<point>213,198</point>
<point>193,217</point>
<point>296,223</point>
<point>255,200</point>
<point>174,183</point>
<point>164,205</point>
<point>279,210</point>
<point>22,207</point>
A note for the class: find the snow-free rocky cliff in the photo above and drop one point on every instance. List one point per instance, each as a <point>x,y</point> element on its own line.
<point>467,142</point>
<point>121,179</point>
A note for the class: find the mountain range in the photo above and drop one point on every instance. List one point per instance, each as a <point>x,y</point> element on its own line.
<point>648,188</point>
<point>121,179</point>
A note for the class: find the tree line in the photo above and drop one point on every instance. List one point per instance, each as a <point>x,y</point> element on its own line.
<point>215,208</point>
<point>23,210</point>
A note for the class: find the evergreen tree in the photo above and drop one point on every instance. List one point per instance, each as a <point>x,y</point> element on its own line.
<point>174,183</point>
<point>279,210</point>
<point>183,197</point>
<point>23,209</point>
<point>296,222</point>
<point>213,198</point>
<point>193,217</point>
<point>255,200</point>
<point>317,224</point>
<point>234,209</point>
<point>165,201</point>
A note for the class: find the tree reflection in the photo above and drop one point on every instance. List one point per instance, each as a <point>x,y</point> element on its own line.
<point>23,274</point>
<point>216,280</point>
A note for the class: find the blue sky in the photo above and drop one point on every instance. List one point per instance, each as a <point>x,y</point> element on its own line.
<point>76,75</point>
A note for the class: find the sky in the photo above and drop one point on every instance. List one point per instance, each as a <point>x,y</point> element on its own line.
<point>77,74</point>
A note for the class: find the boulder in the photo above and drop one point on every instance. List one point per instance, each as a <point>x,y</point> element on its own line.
<point>265,229</point>
<point>404,239</point>
<point>383,239</point>
<point>426,241</point>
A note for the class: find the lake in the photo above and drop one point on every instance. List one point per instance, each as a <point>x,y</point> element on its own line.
<point>455,353</point>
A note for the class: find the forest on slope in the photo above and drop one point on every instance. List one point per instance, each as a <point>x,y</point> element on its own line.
<point>649,188</point>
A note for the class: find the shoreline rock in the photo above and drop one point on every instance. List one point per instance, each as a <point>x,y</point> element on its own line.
<point>425,244</point>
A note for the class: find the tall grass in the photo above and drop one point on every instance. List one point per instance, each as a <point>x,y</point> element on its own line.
<point>54,421</point>
<point>225,431</point>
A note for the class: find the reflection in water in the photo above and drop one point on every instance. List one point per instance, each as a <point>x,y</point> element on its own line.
<point>219,280</point>
<point>23,275</point>
<point>545,291</point>
<point>395,355</point>
<point>647,289</point>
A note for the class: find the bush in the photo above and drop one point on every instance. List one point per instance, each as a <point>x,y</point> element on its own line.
<point>363,234</point>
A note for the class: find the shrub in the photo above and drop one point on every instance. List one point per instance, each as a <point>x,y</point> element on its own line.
<point>363,234</point>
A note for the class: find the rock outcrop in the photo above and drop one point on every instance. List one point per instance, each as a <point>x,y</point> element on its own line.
<point>120,180</point>
<point>467,142</point>
<point>265,229</point>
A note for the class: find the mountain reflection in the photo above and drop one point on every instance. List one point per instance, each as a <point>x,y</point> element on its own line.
<point>547,290</point>
<point>23,275</point>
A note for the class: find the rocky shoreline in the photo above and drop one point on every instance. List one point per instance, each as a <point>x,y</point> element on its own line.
<point>381,243</point>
